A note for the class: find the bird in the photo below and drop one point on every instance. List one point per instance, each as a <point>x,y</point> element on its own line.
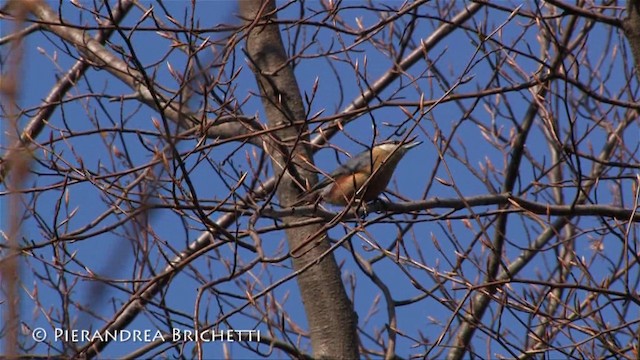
<point>363,177</point>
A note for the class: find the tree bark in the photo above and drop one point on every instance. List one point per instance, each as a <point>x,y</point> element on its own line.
<point>332,321</point>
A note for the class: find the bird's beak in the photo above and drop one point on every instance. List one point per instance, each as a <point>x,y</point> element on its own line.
<point>411,143</point>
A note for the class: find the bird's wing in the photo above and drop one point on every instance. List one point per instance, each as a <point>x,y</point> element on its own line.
<point>353,165</point>
<point>348,168</point>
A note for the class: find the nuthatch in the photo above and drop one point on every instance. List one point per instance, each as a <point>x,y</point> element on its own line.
<point>364,176</point>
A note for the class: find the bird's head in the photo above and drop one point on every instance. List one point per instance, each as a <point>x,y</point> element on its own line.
<point>396,146</point>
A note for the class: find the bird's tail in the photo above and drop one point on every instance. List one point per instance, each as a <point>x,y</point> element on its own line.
<point>314,194</point>
<point>308,197</point>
